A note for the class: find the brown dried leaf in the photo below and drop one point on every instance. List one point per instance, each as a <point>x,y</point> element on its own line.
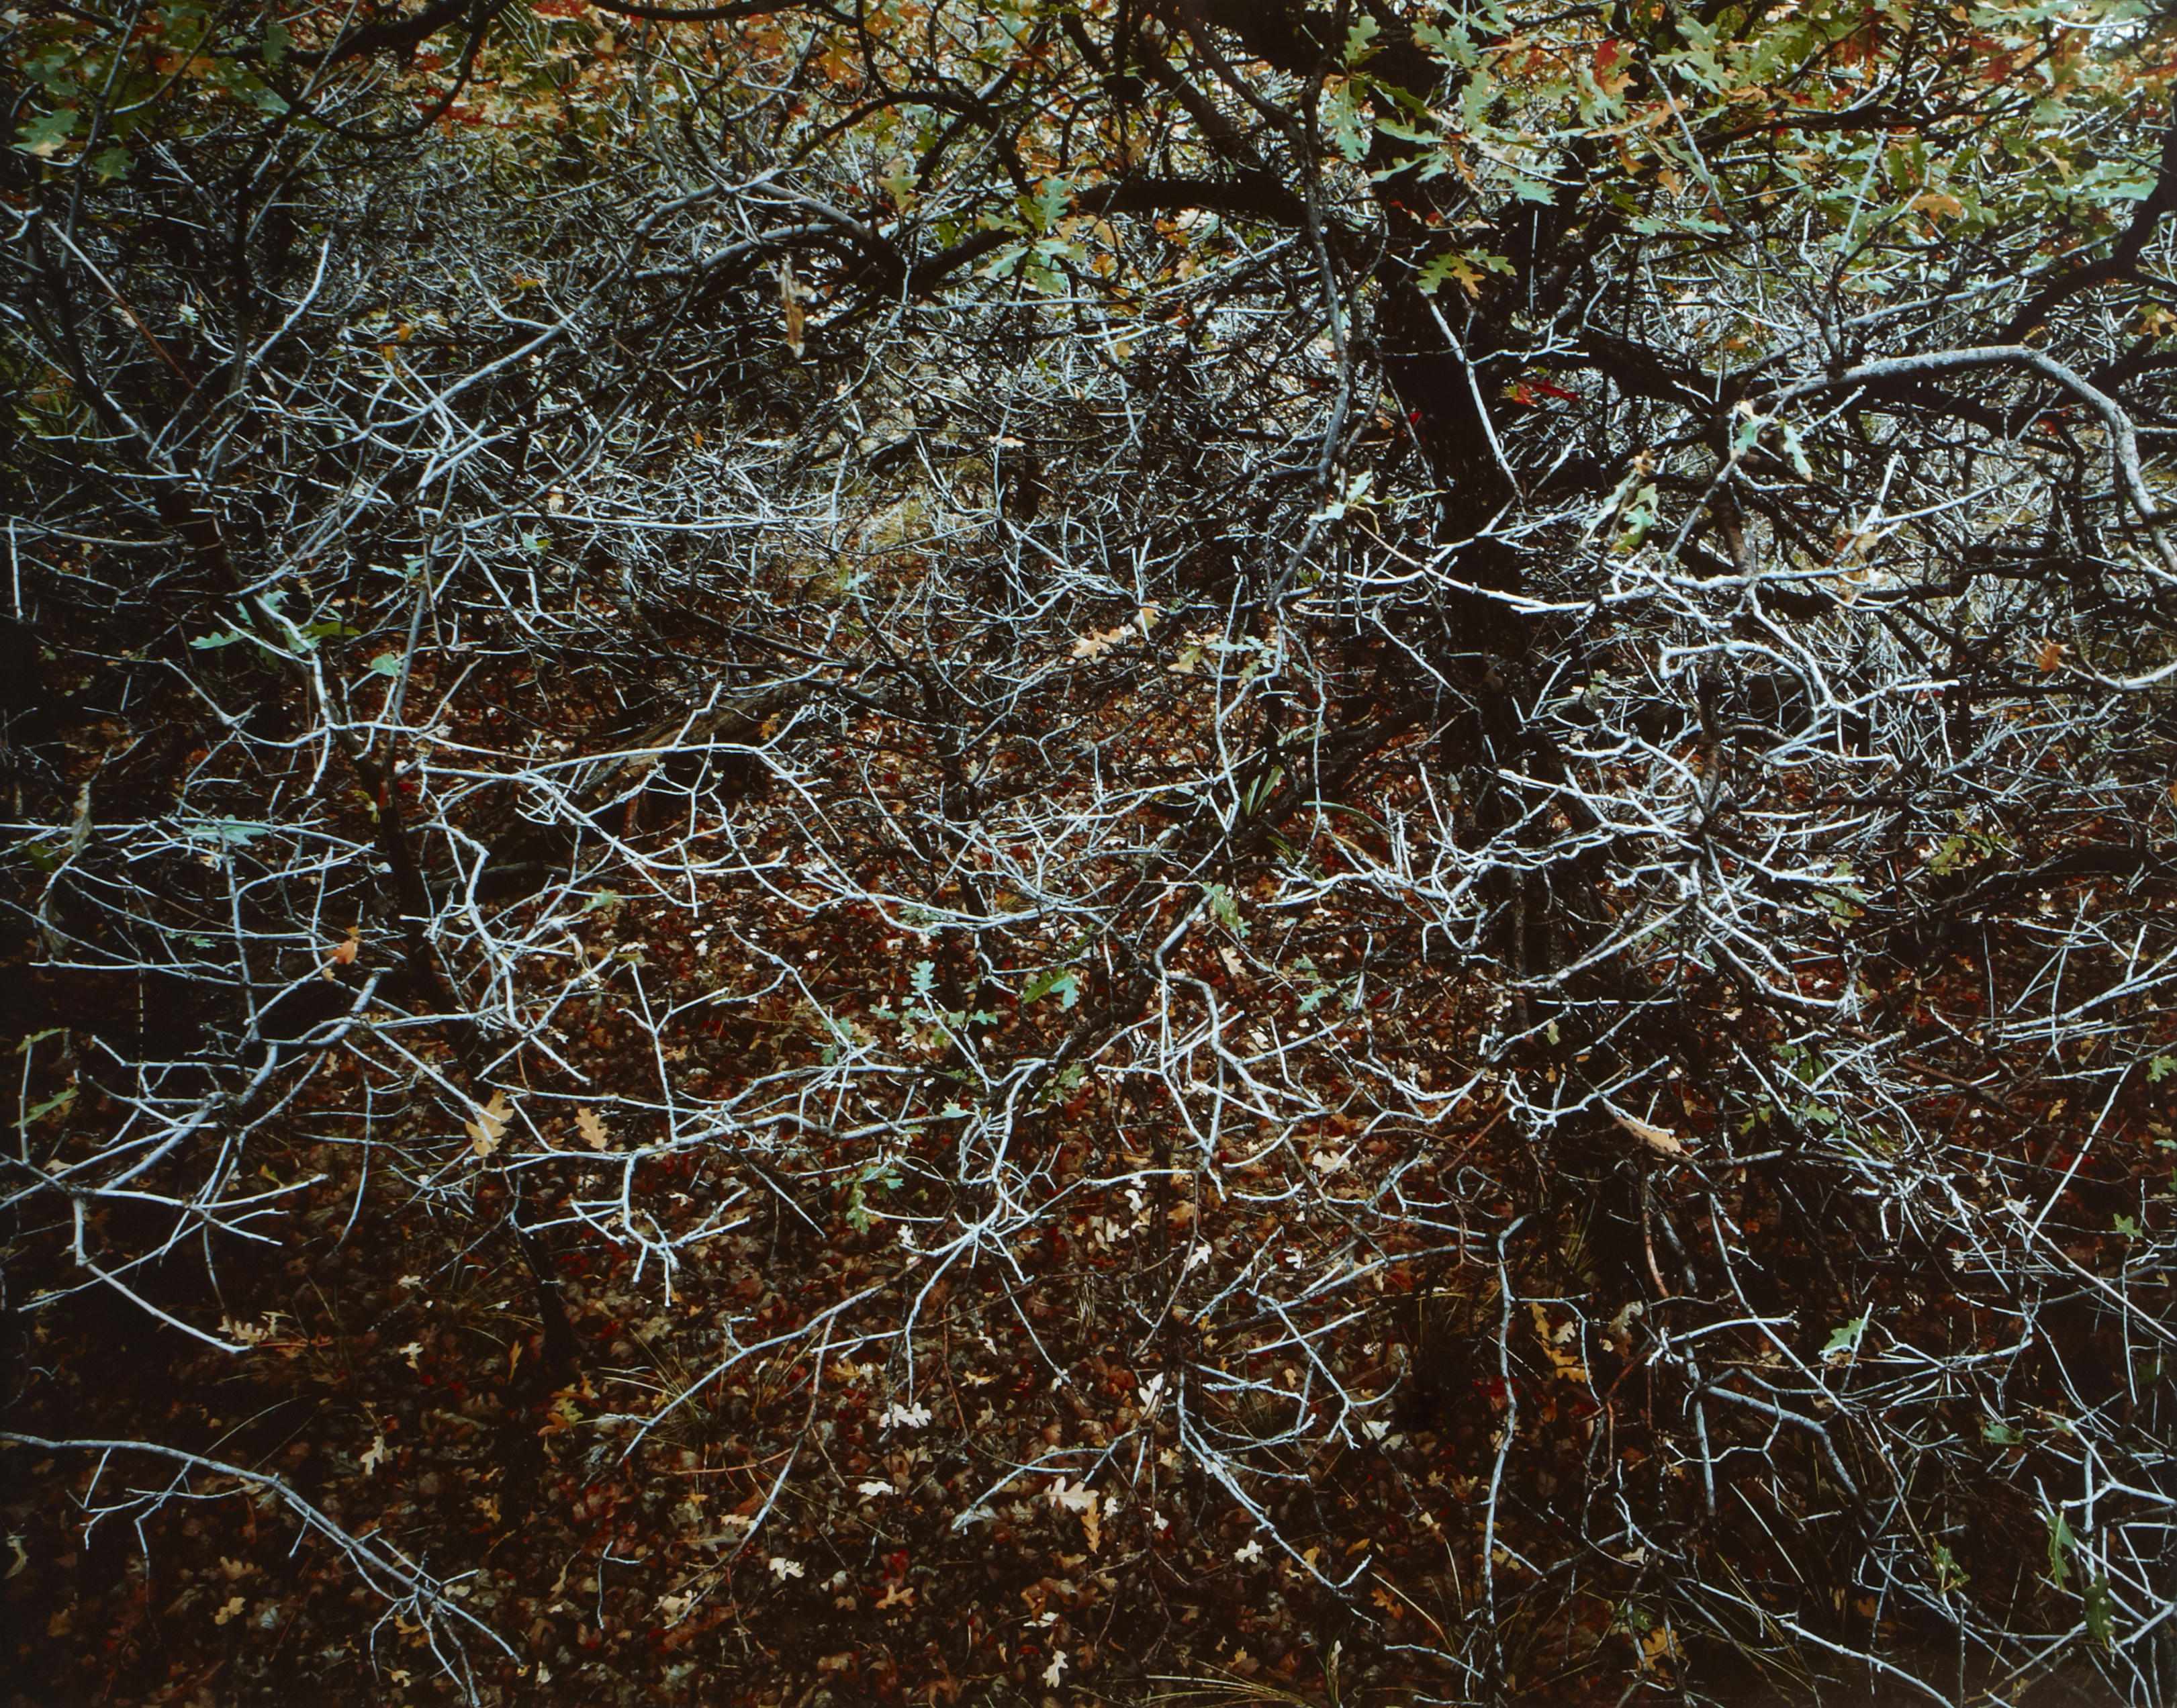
<point>789,297</point>
<point>1659,1139</point>
<point>1100,641</point>
<point>490,1125</point>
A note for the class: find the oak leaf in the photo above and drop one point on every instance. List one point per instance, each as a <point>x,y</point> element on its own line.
<point>490,1126</point>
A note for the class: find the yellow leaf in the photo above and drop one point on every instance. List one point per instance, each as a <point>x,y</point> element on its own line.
<point>591,1128</point>
<point>1464,270</point>
<point>1936,202</point>
<point>1659,1647</point>
<point>2050,657</point>
<point>1565,1363</point>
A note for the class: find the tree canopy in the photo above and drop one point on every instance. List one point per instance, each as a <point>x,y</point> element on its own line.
<point>1107,849</point>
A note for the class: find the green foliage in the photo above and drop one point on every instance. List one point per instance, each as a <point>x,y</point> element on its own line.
<point>2099,1607</point>
<point>1061,982</point>
<point>2062,1544</point>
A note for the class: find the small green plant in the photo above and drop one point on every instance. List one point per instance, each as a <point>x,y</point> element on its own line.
<point>926,1021</point>
<point>880,1173</point>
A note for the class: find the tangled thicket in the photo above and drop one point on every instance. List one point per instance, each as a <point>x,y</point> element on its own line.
<point>1103,849</point>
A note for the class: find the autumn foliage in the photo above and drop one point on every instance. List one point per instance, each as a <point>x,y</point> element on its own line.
<point>1089,850</point>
